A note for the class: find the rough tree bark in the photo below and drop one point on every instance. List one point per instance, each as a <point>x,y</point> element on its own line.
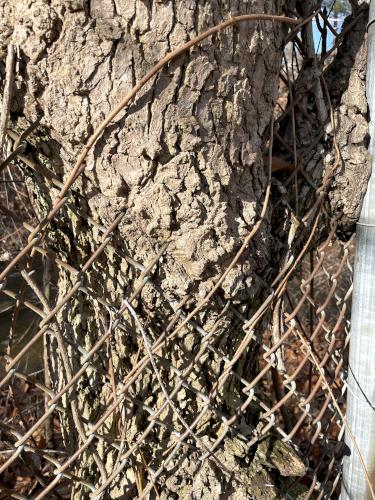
<point>184,165</point>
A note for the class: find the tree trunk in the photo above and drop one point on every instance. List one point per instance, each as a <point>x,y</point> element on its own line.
<point>184,167</point>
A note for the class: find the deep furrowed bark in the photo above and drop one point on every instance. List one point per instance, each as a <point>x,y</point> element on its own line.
<point>183,166</point>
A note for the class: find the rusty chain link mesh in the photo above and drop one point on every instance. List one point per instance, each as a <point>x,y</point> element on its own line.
<point>309,302</point>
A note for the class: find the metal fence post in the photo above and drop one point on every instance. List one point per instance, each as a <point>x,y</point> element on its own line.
<point>361,380</point>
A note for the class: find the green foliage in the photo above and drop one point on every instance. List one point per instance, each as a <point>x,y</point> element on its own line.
<point>338,6</point>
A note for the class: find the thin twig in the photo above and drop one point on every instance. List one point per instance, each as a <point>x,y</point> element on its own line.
<point>80,166</point>
<point>165,392</point>
<point>7,94</point>
<point>337,406</point>
<point>16,152</point>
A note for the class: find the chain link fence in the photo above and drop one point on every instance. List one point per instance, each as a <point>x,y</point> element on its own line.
<point>286,413</point>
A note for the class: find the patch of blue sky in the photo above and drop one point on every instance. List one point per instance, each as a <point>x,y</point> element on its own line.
<point>336,23</point>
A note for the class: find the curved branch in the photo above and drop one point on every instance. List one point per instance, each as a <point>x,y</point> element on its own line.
<point>79,166</point>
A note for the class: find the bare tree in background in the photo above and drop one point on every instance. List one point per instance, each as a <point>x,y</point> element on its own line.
<point>184,170</point>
